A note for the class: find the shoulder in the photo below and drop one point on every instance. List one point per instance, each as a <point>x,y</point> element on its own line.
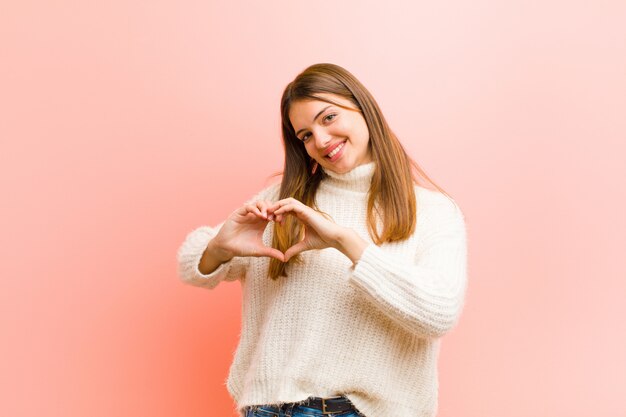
<point>436,205</point>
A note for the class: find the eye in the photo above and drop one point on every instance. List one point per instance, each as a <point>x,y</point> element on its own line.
<point>327,117</point>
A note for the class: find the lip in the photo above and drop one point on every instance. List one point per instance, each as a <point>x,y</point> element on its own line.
<point>332,148</point>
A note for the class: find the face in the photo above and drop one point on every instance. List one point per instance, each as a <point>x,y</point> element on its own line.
<point>335,137</point>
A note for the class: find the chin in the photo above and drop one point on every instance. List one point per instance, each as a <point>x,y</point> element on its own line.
<point>341,170</point>
<point>343,167</point>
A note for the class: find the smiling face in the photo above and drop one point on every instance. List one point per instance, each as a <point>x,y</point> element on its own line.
<point>337,138</point>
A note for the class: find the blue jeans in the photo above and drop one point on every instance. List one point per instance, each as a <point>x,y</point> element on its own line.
<point>294,410</point>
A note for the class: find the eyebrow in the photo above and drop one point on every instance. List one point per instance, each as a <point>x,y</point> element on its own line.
<point>316,116</point>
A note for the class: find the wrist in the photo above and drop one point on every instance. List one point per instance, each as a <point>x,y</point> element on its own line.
<point>350,244</point>
<point>219,253</point>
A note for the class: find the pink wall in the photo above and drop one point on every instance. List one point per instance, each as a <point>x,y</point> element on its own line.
<point>126,124</point>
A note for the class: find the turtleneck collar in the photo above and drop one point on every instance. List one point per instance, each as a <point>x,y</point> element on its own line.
<point>358,179</point>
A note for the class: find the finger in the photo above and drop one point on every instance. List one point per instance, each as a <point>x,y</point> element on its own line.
<point>295,249</point>
<point>261,206</point>
<point>289,207</point>
<point>252,208</point>
<point>274,206</point>
<point>273,253</point>
<point>268,210</point>
<point>289,200</point>
<point>241,211</point>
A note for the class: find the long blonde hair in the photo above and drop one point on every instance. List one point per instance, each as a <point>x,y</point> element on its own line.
<point>391,196</point>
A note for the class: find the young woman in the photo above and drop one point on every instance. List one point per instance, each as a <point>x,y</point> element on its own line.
<point>351,272</point>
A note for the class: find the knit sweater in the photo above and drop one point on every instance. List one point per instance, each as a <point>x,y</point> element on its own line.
<point>370,331</point>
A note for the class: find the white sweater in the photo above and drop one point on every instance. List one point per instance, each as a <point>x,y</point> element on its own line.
<point>370,331</point>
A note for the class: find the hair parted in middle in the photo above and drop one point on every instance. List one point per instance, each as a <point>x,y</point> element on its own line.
<point>391,199</point>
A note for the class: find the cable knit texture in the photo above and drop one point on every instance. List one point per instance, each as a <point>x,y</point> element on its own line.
<point>370,331</point>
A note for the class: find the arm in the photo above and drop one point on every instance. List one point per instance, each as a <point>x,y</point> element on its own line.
<point>197,267</point>
<point>424,295</point>
<point>212,258</point>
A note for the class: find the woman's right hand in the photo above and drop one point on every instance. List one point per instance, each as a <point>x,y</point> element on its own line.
<point>242,233</point>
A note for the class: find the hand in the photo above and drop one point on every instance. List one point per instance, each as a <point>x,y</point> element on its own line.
<point>319,231</point>
<point>242,233</point>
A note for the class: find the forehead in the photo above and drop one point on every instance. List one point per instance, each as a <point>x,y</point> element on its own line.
<point>305,110</point>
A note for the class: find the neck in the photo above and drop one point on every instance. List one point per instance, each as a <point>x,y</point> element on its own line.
<point>358,179</point>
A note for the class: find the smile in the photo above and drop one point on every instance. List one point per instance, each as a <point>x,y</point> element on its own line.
<point>335,150</point>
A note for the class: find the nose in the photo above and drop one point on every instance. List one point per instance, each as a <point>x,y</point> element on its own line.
<point>322,139</point>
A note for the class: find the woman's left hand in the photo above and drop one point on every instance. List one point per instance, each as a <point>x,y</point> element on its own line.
<point>319,231</point>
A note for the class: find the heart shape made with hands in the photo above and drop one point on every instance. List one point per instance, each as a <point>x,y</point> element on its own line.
<point>320,231</point>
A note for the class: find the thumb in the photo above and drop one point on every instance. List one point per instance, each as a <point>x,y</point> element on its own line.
<point>272,253</point>
<point>296,249</point>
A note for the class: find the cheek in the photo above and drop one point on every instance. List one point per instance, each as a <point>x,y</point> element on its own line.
<point>310,149</point>
<point>361,132</point>
<point>356,127</point>
<point>366,132</point>
<point>346,127</point>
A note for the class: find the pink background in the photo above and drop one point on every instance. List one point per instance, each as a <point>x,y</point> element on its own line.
<point>124,125</point>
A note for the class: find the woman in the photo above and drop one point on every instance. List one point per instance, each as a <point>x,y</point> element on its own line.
<point>361,271</point>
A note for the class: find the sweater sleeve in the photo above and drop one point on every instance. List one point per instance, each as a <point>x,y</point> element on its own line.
<point>190,252</point>
<point>424,295</point>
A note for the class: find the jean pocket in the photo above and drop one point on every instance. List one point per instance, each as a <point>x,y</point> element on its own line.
<point>262,411</point>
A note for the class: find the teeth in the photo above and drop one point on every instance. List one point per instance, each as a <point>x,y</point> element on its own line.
<point>334,151</point>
